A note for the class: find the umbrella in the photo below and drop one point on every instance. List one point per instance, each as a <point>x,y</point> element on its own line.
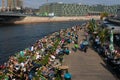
<point>67,75</point>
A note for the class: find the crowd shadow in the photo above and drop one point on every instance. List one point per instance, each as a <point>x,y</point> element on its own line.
<point>110,69</point>
<point>73,49</point>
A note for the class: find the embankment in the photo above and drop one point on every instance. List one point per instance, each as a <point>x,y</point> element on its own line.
<point>31,19</point>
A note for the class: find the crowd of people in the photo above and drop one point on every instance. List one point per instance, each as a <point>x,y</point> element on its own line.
<point>111,56</point>
<point>41,61</point>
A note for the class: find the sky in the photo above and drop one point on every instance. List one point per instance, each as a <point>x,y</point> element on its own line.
<point>37,3</point>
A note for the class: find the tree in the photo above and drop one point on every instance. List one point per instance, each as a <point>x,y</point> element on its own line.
<point>103,34</point>
<point>95,30</point>
<point>92,26</point>
<point>103,15</point>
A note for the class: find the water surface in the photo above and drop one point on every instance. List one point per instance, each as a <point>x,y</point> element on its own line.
<point>14,38</point>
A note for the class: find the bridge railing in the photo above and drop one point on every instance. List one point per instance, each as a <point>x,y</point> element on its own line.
<point>12,14</point>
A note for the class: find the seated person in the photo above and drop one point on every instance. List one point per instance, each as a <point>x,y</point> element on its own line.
<point>67,75</point>
<point>67,51</point>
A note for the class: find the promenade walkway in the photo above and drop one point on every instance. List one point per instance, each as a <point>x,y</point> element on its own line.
<point>87,66</point>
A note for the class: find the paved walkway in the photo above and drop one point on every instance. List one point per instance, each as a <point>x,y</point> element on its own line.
<point>87,66</point>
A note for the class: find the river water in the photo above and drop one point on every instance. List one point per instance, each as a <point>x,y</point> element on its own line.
<point>14,38</point>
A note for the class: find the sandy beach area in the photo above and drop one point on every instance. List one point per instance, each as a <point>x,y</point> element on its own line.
<point>30,19</point>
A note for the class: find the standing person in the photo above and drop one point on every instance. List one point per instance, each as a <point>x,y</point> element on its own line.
<point>75,46</point>
<point>85,43</point>
<point>97,42</point>
<point>76,38</point>
<point>67,75</point>
<point>86,35</point>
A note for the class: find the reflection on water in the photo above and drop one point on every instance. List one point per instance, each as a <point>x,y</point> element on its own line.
<point>14,38</point>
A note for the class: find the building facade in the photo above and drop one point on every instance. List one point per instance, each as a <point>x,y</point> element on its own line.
<point>98,9</point>
<point>62,9</point>
<point>74,10</point>
<point>112,9</point>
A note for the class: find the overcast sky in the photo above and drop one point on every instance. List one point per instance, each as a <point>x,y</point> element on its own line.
<point>37,3</point>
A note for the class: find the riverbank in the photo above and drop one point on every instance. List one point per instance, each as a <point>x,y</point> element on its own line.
<point>41,60</point>
<point>30,19</point>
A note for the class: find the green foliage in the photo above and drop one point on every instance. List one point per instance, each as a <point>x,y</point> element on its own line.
<point>45,60</point>
<point>55,45</point>
<point>42,77</point>
<point>58,78</point>
<point>2,77</point>
<point>92,26</point>
<point>17,55</point>
<point>33,57</point>
<point>102,15</point>
<point>39,72</point>
<point>36,78</point>
<point>103,34</point>
<point>21,59</point>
